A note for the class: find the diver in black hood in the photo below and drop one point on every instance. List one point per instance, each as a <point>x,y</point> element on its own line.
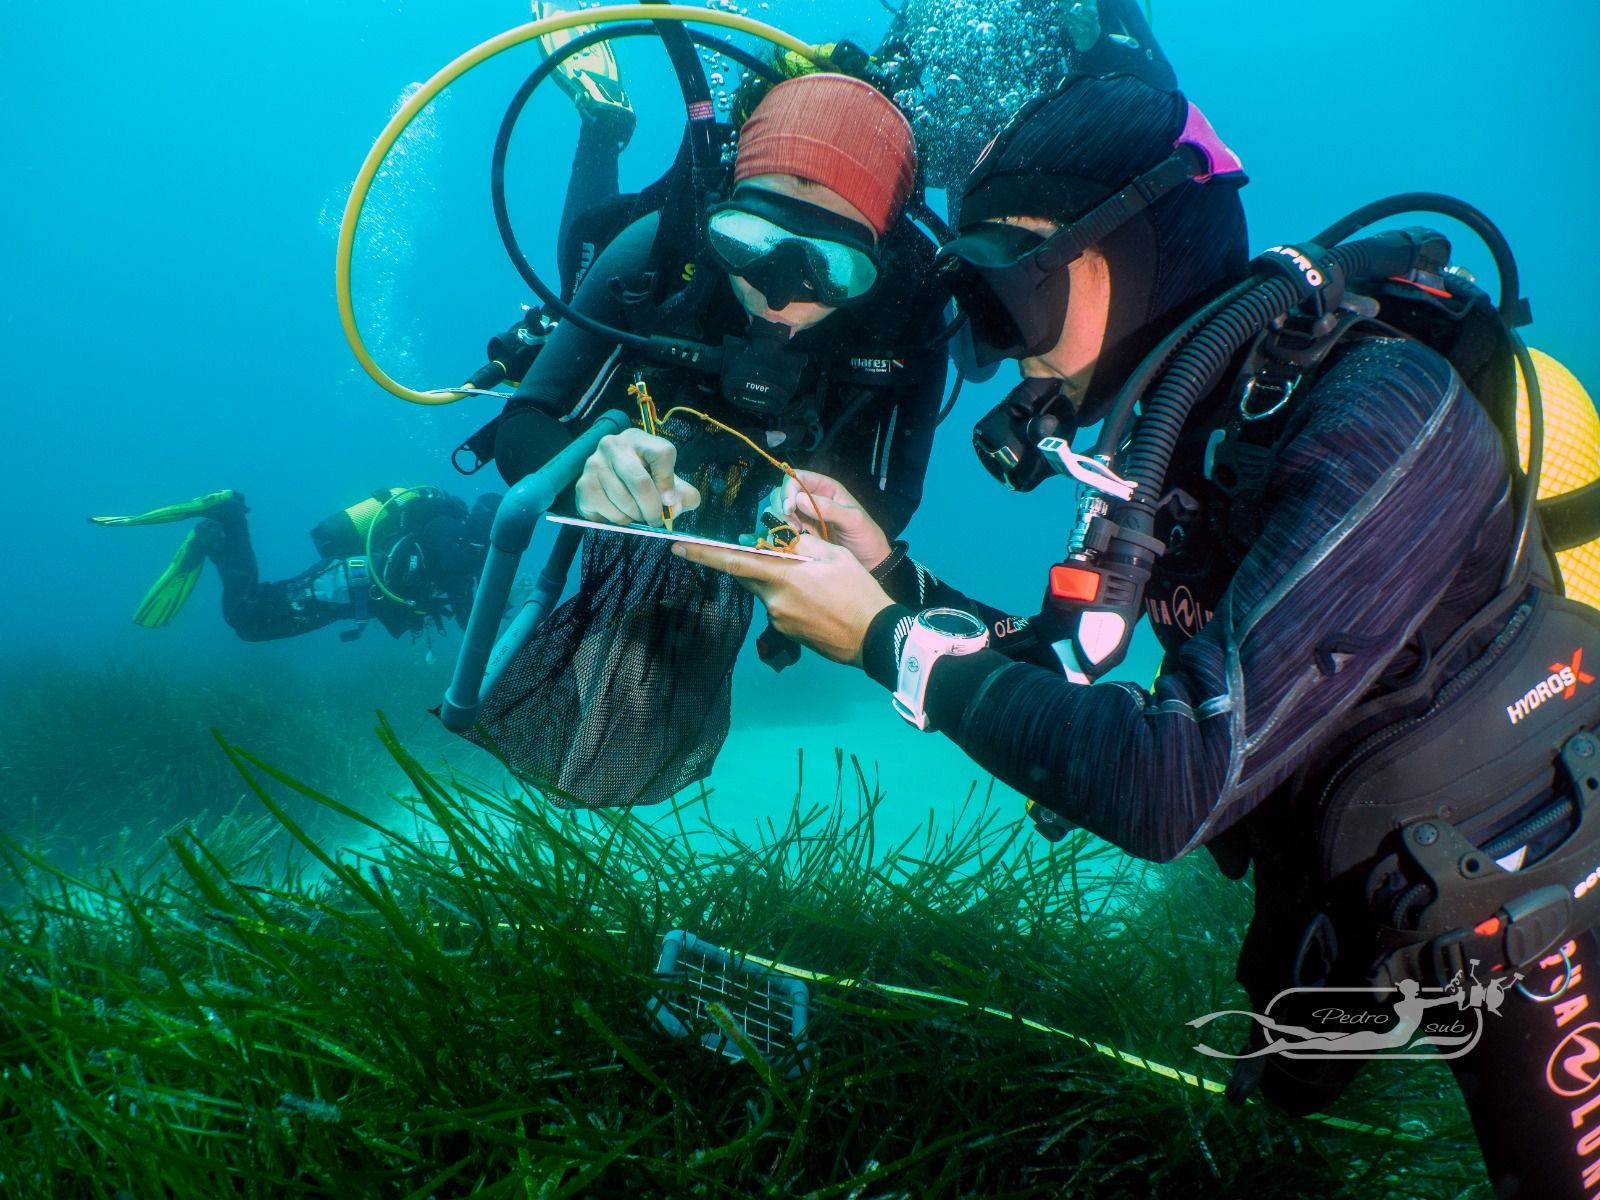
<point>1320,518</point>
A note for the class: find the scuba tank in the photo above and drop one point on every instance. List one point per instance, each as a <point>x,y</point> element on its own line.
<point>345,533</point>
<point>1569,483</point>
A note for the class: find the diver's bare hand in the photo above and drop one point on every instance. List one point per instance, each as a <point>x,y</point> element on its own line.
<point>1082,21</point>
<point>629,478</point>
<point>848,523</point>
<point>827,603</point>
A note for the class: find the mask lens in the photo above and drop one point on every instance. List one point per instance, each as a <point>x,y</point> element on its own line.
<point>995,334</point>
<point>1016,311</point>
<point>740,238</point>
<point>838,273</point>
<point>1017,307</point>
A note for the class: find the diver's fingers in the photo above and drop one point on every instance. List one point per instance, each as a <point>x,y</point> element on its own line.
<point>808,509</point>
<point>595,501</point>
<point>817,484</point>
<point>660,458</point>
<point>622,496</point>
<point>755,571</point>
<point>809,545</point>
<point>684,496</point>
<point>630,485</point>
<point>593,505</point>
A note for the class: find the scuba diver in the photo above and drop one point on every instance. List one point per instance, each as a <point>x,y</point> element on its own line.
<point>407,558</point>
<point>816,291</point>
<point>1374,691</point>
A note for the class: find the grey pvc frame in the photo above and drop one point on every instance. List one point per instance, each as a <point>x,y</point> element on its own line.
<point>483,659</point>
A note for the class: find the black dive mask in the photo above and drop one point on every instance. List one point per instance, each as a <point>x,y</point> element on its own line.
<point>1014,283</point>
<point>1014,286</point>
<point>791,251</point>
<point>761,371</point>
<point>1007,439</point>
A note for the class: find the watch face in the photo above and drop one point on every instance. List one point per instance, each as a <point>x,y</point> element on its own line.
<point>952,622</point>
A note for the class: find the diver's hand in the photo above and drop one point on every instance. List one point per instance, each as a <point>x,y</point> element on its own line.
<point>827,603</point>
<point>848,523</point>
<point>630,477</point>
<point>1082,21</point>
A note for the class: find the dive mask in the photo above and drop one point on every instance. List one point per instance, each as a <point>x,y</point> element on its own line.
<point>1013,285</point>
<point>792,251</point>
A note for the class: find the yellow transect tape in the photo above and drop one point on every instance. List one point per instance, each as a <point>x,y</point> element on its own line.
<point>1123,1056</point>
<point>443,79</point>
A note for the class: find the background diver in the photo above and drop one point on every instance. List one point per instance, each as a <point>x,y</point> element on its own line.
<point>407,558</point>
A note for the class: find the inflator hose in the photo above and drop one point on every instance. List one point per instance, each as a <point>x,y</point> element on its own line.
<point>442,79</point>
<point>1511,305</point>
<point>1213,347</point>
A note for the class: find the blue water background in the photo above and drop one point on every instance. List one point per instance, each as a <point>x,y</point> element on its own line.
<point>173,180</point>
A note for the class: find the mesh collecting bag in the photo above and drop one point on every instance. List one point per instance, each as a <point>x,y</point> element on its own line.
<point>622,696</point>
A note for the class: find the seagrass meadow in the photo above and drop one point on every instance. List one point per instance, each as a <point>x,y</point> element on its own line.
<point>446,991</point>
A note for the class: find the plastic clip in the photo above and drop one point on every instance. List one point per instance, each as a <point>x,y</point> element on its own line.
<point>1090,472</point>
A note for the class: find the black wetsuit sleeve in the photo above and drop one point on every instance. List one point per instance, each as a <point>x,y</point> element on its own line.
<point>571,373</point>
<point>1393,492</point>
<point>913,588</point>
<point>883,458</point>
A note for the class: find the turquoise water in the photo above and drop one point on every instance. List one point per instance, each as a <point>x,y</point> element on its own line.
<point>174,178</point>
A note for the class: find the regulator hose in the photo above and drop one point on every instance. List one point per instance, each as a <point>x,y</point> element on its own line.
<point>1513,310</point>
<point>1210,350</point>
<point>497,168</point>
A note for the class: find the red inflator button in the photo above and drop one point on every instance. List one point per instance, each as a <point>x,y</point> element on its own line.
<point>1073,583</point>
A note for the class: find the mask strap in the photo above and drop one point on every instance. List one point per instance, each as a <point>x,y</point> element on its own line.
<point>1198,156</point>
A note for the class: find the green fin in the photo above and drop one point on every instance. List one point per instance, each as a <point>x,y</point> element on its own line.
<point>183,511</point>
<point>167,595</point>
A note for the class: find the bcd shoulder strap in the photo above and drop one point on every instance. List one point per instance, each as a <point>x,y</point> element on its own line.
<point>1280,369</point>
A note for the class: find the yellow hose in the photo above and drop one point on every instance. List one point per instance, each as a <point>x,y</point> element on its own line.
<point>443,79</point>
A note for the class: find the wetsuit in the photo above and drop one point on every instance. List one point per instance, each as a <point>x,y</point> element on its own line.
<point>452,545</point>
<point>1385,524</point>
<point>594,210</point>
<point>623,696</point>
<point>877,400</point>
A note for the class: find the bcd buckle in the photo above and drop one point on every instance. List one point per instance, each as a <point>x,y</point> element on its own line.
<point>1276,392</point>
<point>1520,932</point>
